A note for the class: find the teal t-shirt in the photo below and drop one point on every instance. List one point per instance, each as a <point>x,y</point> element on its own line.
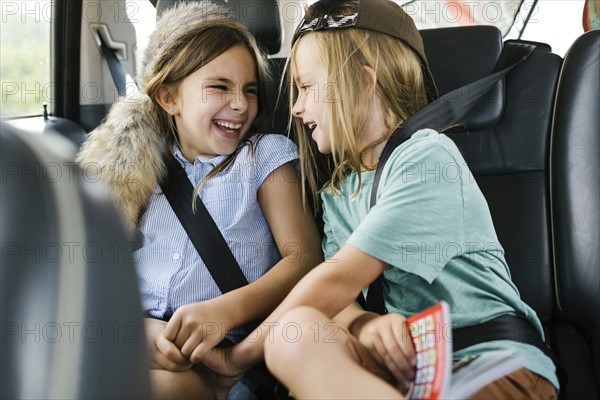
<point>433,227</point>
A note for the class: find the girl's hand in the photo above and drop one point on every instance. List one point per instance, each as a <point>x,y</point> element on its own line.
<point>388,339</point>
<point>196,328</point>
<point>163,354</point>
<point>221,361</point>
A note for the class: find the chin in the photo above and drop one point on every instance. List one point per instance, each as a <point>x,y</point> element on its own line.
<point>227,151</point>
<point>324,149</point>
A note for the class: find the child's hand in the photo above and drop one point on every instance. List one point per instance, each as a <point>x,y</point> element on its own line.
<point>196,328</point>
<point>221,361</point>
<point>163,354</point>
<point>388,339</point>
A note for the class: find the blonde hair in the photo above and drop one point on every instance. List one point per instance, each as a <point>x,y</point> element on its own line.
<point>190,52</point>
<point>400,87</point>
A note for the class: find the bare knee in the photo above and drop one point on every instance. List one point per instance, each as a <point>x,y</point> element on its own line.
<point>293,339</point>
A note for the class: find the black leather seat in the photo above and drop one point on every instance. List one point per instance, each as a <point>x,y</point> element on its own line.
<point>575,218</point>
<point>533,146</point>
<point>69,303</point>
<point>506,146</point>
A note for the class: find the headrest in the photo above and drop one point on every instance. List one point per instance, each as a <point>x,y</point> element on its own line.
<point>461,55</point>
<point>260,17</point>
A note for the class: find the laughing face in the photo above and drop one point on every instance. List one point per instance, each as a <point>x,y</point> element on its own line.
<point>311,80</point>
<point>216,105</point>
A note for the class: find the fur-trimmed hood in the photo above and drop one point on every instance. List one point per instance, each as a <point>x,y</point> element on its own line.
<point>125,152</point>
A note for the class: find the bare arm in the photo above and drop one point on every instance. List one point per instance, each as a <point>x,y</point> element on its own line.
<point>297,238</point>
<point>330,287</point>
<point>295,232</point>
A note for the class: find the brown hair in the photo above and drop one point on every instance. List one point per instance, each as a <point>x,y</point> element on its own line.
<point>189,52</point>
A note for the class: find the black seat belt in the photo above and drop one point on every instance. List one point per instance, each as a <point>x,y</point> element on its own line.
<point>444,112</point>
<point>115,67</point>
<point>201,229</point>
<point>212,248</point>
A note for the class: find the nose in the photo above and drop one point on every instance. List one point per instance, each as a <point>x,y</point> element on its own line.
<point>298,107</point>
<point>239,102</point>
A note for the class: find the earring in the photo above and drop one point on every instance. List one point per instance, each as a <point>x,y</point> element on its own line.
<point>172,110</point>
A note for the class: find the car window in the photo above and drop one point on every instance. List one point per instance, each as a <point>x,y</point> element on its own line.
<point>545,18</point>
<point>142,15</point>
<point>535,20</point>
<point>25,57</point>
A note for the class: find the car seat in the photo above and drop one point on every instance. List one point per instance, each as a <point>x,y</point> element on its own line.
<point>575,218</point>
<point>69,303</point>
<point>532,145</point>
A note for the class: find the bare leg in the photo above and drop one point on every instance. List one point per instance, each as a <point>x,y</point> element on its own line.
<point>312,357</point>
<point>192,384</point>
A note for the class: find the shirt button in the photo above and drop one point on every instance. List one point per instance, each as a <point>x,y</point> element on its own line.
<point>176,256</point>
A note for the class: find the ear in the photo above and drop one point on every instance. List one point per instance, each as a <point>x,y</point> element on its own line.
<point>167,100</point>
<point>371,78</point>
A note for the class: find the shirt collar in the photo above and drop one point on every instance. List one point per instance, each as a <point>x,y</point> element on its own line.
<point>214,161</point>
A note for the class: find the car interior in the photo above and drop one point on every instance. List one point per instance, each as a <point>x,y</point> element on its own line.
<point>532,144</point>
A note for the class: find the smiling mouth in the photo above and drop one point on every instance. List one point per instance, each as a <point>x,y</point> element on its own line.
<point>230,128</point>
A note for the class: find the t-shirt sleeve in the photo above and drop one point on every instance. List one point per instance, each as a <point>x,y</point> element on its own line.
<point>329,245</point>
<point>272,151</point>
<point>417,222</point>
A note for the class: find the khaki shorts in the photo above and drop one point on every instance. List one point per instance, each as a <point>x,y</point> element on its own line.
<point>364,358</point>
<point>521,384</point>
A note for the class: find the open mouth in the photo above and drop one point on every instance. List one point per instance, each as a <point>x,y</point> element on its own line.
<point>229,128</point>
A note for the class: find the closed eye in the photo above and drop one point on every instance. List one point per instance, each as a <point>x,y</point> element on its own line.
<point>304,87</point>
<point>251,92</point>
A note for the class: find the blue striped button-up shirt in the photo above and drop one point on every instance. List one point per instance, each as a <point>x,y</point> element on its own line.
<point>170,271</point>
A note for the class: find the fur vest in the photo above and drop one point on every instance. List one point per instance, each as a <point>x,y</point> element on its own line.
<point>125,152</point>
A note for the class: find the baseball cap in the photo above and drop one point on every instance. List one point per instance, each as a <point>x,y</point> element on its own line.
<point>383,16</point>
